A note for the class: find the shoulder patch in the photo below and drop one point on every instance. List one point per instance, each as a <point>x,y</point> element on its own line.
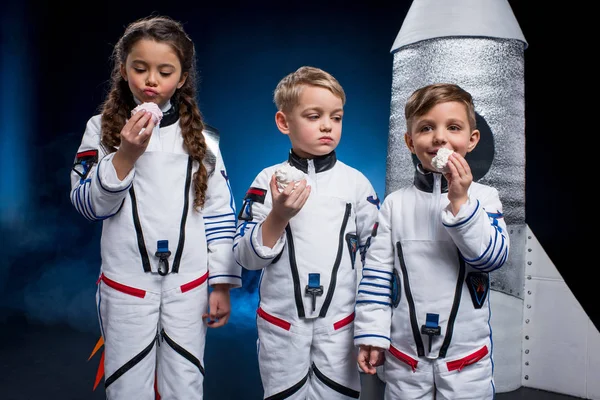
<point>255,194</point>
<point>84,161</point>
<point>496,215</point>
<point>478,284</point>
<point>374,200</point>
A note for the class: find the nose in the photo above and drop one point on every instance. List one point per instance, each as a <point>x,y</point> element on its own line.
<point>326,125</point>
<point>151,79</point>
<point>439,136</point>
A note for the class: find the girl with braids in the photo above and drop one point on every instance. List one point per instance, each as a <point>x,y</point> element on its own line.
<point>168,218</point>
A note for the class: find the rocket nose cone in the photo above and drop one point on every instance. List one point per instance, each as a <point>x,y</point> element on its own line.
<point>428,19</point>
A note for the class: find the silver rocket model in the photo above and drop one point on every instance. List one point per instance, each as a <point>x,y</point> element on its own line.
<point>478,45</point>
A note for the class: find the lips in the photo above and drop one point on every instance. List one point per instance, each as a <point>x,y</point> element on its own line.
<point>325,139</point>
<point>150,92</point>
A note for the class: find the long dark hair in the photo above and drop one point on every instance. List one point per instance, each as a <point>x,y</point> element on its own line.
<point>119,101</point>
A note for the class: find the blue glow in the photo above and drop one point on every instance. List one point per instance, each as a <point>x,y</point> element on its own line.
<point>15,129</point>
<point>13,99</point>
<point>54,255</point>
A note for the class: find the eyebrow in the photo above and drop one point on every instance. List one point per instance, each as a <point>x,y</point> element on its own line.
<point>316,108</point>
<point>166,65</point>
<point>423,121</point>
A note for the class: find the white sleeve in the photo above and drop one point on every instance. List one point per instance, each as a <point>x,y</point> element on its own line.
<point>479,231</point>
<point>373,308</point>
<point>96,192</point>
<point>219,225</point>
<point>367,208</point>
<point>248,248</point>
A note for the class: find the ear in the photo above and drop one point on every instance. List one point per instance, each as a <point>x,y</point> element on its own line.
<point>182,80</point>
<point>473,140</point>
<point>282,123</point>
<point>123,72</point>
<point>409,142</point>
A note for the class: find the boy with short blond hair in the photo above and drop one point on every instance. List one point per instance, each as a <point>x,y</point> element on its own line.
<point>303,222</point>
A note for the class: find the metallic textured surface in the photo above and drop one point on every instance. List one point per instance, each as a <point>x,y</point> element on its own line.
<point>430,19</point>
<point>211,136</point>
<point>510,279</point>
<point>492,70</point>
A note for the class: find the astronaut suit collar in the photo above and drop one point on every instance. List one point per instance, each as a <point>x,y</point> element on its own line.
<point>424,180</point>
<point>322,163</point>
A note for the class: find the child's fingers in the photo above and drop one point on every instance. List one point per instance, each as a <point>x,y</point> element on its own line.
<point>216,323</point>
<point>134,119</point>
<point>365,366</point>
<point>293,191</point>
<point>376,357</point>
<point>289,189</point>
<point>146,132</point>
<point>144,124</point>
<point>216,319</point>
<point>273,186</point>
<point>464,165</point>
<point>373,357</point>
<point>459,163</point>
<point>303,197</point>
<point>299,194</point>
<point>219,322</point>
<point>139,125</point>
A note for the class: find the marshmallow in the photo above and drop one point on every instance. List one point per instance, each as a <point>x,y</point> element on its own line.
<point>151,108</point>
<point>441,159</point>
<point>287,173</point>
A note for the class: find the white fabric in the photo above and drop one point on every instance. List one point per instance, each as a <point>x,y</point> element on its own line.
<point>338,194</point>
<point>130,322</point>
<point>430,238</point>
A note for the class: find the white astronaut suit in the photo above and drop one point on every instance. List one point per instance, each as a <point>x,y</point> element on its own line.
<point>424,290</point>
<point>158,257</point>
<point>309,280</point>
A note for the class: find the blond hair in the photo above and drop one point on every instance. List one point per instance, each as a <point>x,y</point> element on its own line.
<point>424,99</point>
<point>287,92</point>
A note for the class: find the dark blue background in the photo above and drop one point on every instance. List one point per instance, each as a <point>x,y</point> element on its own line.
<point>54,68</point>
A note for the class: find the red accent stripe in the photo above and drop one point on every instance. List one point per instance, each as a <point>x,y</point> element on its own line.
<point>259,192</point>
<point>468,360</point>
<point>156,393</point>
<point>194,284</point>
<point>343,322</point>
<point>404,358</point>
<point>87,153</point>
<point>274,320</point>
<point>124,288</point>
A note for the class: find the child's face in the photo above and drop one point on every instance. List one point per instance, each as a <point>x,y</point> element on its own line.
<point>153,72</point>
<point>314,125</point>
<point>445,125</point>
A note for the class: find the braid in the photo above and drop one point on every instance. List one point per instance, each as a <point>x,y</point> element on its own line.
<point>191,123</point>
<point>114,115</point>
<point>119,101</point>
